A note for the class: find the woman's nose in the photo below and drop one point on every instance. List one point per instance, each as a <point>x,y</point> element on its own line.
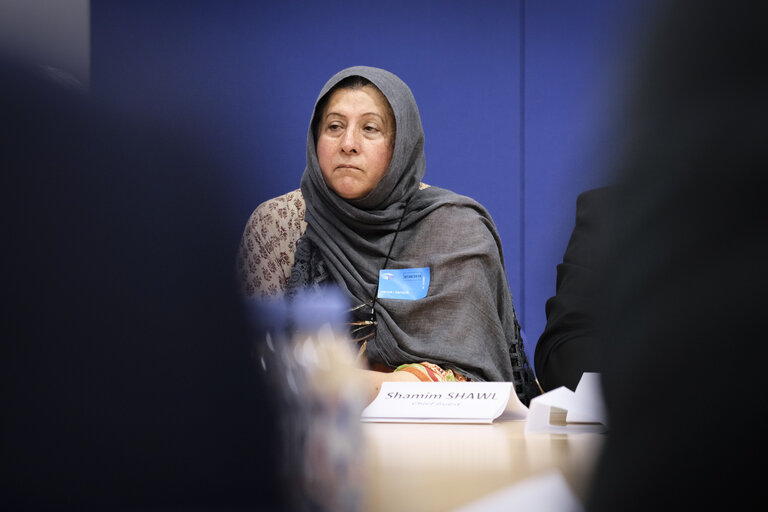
<point>349,142</point>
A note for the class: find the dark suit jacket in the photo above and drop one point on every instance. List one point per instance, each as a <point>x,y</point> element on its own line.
<point>568,347</point>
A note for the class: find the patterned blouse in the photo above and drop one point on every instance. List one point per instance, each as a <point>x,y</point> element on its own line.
<point>266,254</point>
<point>268,245</point>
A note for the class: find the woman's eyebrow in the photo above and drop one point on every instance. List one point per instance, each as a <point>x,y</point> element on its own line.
<point>329,114</point>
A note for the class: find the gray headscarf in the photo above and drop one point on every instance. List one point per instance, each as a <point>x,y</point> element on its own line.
<point>466,322</point>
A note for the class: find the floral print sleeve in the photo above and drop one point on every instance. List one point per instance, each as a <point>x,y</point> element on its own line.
<point>268,244</point>
<point>429,372</point>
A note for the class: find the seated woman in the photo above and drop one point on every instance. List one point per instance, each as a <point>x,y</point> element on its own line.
<point>362,209</point>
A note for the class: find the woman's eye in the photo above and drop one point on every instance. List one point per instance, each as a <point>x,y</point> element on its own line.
<point>371,129</point>
<point>334,126</point>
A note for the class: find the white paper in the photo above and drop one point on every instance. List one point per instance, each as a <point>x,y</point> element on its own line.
<point>548,492</point>
<point>588,406</point>
<point>585,409</point>
<point>445,402</point>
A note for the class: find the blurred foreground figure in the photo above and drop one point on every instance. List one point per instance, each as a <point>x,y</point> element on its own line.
<point>686,276</point>
<point>126,381</point>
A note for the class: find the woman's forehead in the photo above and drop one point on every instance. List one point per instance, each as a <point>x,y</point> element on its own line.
<point>366,96</point>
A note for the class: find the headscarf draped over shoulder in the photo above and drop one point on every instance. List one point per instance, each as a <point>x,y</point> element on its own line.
<point>467,321</point>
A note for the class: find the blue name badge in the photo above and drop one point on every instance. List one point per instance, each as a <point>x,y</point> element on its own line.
<point>403,283</point>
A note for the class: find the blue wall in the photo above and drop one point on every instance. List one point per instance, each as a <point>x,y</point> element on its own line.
<point>512,97</point>
<point>576,56</point>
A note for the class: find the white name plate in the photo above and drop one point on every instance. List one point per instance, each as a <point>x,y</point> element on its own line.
<point>444,402</point>
<point>585,408</point>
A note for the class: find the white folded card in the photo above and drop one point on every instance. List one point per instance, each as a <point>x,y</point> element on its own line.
<point>444,402</point>
<point>585,408</point>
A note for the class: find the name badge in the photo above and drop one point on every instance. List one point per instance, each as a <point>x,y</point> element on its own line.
<point>403,283</point>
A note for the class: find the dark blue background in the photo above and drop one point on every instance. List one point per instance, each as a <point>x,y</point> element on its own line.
<point>514,97</point>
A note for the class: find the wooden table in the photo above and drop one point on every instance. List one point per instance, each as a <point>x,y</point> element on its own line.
<point>439,467</point>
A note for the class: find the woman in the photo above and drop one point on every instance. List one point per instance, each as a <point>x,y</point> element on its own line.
<point>364,221</point>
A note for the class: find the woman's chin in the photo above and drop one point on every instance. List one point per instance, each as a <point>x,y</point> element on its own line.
<point>350,190</point>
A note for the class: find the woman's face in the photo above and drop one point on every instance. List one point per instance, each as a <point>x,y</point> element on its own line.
<point>355,140</point>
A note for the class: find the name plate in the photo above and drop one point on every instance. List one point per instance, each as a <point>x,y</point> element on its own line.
<point>585,409</point>
<point>444,402</point>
